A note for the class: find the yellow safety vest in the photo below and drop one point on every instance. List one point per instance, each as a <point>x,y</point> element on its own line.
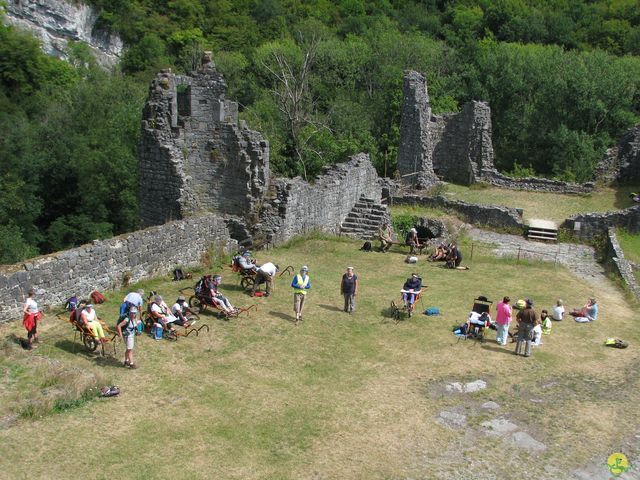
<point>302,284</point>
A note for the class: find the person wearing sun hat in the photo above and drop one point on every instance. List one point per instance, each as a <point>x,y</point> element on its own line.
<point>126,329</point>
<point>300,284</point>
<point>527,319</point>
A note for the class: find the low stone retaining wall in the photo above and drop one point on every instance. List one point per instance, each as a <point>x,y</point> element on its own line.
<point>482,215</point>
<point>103,264</point>
<point>536,184</point>
<point>621,265</point>
<point>594,224</point>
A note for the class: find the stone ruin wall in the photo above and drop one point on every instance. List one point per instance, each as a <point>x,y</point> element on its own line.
<point>103,264</point>
<point>621,163</point>
<point>455,147</point>
<point>495,216</point>
<point>595,224</point>
<point>299,207</point>
<point>620,264</point>
<point>193,155</point>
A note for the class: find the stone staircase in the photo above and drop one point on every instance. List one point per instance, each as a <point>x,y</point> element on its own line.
<point>364,219</point>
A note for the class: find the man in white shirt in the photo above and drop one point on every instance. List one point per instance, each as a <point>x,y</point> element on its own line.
<point>266,274</point>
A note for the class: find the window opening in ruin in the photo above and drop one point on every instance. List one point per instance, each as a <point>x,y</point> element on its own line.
<point>184,100</point>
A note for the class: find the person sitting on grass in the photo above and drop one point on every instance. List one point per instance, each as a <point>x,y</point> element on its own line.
<point>411,288</point>
<point>557,313</point>
<point>92,322</point>
<point>440,253</point>
<point>181,310</point>
<point>588,313</point>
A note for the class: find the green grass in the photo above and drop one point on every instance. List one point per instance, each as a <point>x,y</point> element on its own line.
<point>548,206</point>
<point>630,244</point>
<point>337,396</point>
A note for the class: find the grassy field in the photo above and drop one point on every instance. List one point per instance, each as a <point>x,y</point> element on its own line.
<point>337,396</point>
<point>548,206</point>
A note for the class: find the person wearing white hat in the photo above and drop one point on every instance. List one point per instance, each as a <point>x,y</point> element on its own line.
<point>412,241</point>
<point>126,329</point>
<point>300,284</point>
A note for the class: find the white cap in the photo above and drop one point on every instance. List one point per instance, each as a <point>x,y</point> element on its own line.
<point>133,310</point>
<point>304,268</point>
<point>413,230</point>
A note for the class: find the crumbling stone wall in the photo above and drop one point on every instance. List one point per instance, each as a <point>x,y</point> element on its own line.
<point>593,224</point>
<point>620,264</point>
<point>103,263</point>
<point>454,147</point>
<point>536,184</point>
<point>495,216</point>
<point>193,155</point>
<point>297,206</point>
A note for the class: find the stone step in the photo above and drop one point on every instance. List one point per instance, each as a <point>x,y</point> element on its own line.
<point>368,216</point>
<point>364,223</point>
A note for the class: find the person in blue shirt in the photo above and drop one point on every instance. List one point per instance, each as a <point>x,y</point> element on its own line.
<point>300,284</point>
<point>410,290</point>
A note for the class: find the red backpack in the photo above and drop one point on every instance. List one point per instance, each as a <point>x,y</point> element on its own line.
<point>97,297</point>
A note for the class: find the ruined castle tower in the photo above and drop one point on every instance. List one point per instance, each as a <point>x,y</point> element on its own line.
<point>454,147</point>
<point>194,157</point>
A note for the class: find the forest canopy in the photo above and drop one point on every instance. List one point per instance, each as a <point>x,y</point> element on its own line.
<point>562,78</point>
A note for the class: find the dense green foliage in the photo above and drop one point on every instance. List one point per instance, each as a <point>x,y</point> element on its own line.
<point>67,142</point>
<point>321,80</point>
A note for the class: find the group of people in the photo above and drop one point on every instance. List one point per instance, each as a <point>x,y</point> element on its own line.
<point>449,253</point>
<point>530,326</point>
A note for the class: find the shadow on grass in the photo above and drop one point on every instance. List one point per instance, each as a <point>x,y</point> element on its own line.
<point>333,308</point>
<point>76,348</point>
<point>622,196</point>
<point>496,348</point>
<point>283,316</point>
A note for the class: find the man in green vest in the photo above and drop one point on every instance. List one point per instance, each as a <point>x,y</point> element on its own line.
<point>300,286</point>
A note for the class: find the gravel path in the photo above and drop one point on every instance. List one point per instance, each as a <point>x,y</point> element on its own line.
<point>579,259</point>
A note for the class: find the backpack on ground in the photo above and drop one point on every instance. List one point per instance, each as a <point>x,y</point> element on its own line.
<point>615,343</point>
<point>97,297</point>
<point>366,247</point>
<point>432,311</point>
<point>411,259</point>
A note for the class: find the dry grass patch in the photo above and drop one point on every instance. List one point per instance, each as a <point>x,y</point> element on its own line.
<point>344,396</point>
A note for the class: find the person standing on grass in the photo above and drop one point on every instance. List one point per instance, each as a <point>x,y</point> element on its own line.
<point>349,288</point>
<point>31,318</point>
<point>126,329</point>
<point>527,319</point>
<point>300,284</point>
<point>503,319</point>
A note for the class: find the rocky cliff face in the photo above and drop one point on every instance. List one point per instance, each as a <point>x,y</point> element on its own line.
<point>56,22</point>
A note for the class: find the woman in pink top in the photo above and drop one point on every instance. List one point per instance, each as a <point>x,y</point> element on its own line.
<point>503,319</point>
